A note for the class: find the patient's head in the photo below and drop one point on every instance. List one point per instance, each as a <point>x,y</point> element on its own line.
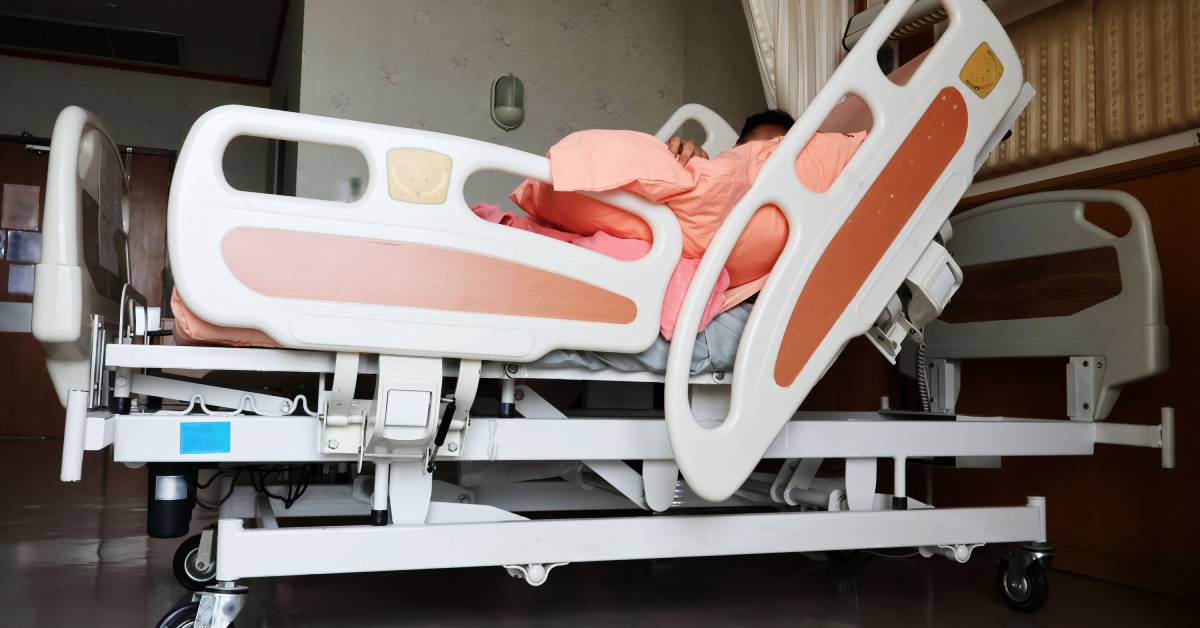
<point>767,125</point>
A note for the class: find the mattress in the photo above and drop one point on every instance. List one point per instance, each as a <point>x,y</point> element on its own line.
<point>714,351</point>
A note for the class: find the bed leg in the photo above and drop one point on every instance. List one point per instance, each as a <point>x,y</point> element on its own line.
<point>508,397</point>
<point>379,498</point>
<point>120,403</point>
<point>899,480</point>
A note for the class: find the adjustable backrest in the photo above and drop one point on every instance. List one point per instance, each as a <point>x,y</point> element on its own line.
<point>850,247</point>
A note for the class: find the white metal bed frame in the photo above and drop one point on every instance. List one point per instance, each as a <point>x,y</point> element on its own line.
<point>98,367</point>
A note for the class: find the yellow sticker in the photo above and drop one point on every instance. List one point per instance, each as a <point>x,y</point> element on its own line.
<point>417,175</point>
<point>982,71</point>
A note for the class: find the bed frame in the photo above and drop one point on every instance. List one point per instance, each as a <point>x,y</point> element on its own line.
<point>867,257</point>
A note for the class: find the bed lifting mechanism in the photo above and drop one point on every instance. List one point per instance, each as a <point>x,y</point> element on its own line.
<point>409,418</point>
<point>925,292</point>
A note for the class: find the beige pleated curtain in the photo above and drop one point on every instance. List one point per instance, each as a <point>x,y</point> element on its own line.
<point>798,44</point>
<point>1107,72</point>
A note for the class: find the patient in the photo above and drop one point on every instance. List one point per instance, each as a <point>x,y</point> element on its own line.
<point>699,190</point>
<point>767,125</point>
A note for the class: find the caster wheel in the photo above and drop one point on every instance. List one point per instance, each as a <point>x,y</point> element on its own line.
<point>187,572</point>
<point>1028,594</point>
<point>181,617</point>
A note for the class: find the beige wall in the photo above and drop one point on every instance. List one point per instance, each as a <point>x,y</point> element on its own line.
<point>719,70</point>
<point>585,64</point>
<point>139,109</point>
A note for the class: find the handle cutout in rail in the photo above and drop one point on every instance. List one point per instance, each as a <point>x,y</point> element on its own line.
<point>1110,217</point>
<point>300,169</point>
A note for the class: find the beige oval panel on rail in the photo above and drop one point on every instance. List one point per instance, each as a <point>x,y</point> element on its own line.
<point>418,175</point>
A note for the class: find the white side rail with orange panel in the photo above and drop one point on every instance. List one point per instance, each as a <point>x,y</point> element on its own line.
<point>440,463</point>
<point>850,248</point>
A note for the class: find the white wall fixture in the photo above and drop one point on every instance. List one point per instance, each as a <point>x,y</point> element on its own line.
<point>508,102</point>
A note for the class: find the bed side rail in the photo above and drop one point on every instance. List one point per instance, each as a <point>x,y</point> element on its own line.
<point>849,248</point>
<point>302,269</point>
<point>718,135</point>
<point>1127,329</point>
<point>85,258</point>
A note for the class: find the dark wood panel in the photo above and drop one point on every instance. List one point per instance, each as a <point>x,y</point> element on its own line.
<point>149,184</point>
<point>1034,287</point>
<point>30,405</point>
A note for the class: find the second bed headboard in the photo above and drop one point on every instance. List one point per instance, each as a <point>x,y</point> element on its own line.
<point>1105,293</point>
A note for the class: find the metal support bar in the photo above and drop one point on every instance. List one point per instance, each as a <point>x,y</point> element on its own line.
<point>379,496</point>
<point>1161,436</point>
<point>860,482</point>
<point>899,483</point>
<point>1084,378</point>
<point>508,393</point>
<point>410,488</point>
<point>75,432</point>
<point>621,477</point>
<point>660,483</point>
<point>212,395</point>
<point>155,438</point>
<point>246,553</point>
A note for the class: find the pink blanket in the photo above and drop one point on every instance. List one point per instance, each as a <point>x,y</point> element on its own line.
<point>701,194</point>
<point>622,249</point>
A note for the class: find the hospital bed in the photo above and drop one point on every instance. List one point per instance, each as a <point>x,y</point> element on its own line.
<point>407,288</point>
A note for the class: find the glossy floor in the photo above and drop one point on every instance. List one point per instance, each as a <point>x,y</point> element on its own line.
<point>76,555</point>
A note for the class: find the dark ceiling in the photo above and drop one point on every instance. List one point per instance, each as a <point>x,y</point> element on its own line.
<point>228,39</point>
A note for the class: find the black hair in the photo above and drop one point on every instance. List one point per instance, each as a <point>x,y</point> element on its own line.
<point>777,117</point>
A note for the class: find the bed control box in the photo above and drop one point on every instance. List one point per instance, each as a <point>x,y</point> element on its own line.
<point>926,292</point>
<point>932,282</point>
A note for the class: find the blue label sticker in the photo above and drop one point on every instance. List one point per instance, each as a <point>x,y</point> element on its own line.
<point>210,437</point>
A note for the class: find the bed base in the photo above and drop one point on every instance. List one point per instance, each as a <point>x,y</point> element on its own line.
<point>91,328</point>
<point>484,522</point>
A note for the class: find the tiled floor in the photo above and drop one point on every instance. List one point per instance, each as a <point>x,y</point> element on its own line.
<point>76,555</point>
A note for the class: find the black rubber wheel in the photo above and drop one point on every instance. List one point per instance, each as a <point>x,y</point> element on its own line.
<point>1029,594</point>
<point>184,566</point>
<point>181,617</point>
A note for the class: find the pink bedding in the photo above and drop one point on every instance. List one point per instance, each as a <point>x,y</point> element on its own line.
<point>701,193</point>
<point>193,330</point>
<point>622,249</point>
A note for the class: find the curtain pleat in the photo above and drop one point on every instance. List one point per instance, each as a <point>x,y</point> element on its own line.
<point>1057,54</point>
<point>1107,72</point>
<point>798,46</point>
<point>1148,84</point>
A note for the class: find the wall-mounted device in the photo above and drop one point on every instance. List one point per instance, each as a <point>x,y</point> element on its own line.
<point>508,102</point>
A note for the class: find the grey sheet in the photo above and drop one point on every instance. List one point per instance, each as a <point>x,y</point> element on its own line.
<point>715,349</point>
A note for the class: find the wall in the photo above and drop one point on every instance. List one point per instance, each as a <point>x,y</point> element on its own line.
<point>585,64</point>
<point>139,109</point>
<point>719,67</point>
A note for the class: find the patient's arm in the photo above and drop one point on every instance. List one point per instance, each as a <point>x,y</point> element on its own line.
<point>684,150</point>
